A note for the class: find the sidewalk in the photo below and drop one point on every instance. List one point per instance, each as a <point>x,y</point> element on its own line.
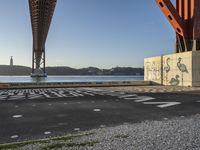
<point>153,89</point>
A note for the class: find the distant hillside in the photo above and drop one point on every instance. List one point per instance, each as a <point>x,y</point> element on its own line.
<point>14,70</point>
<point>22,70</point>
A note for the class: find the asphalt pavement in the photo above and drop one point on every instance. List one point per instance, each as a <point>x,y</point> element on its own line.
<point>37,113</point>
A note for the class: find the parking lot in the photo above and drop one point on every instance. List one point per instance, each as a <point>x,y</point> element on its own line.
<point>38,113</point>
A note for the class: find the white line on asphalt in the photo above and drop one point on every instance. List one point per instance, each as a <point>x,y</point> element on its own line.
<point>14,136</point>
<point>56,94</point>
<point>162,104</point>
<point>3,97</point>
<point>143,99</point>
<point>87,93</point>
<point>47,132</point>
<point>45,94</point>
<point>96,110</point>
<point>36,96</point>
<point>15,97</point>
<point>17,116</point>
<point>62,93</point>
<point>126,96</point>
<point>76,129</point>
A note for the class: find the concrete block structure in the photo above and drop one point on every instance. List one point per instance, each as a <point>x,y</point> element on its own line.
<point>183,67</point>
<point>180,69</point>
<point>41,13</point>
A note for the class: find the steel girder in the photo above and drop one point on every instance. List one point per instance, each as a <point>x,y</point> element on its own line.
<point>41,12</point>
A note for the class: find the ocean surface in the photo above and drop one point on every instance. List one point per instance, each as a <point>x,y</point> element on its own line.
<point>15,79</point>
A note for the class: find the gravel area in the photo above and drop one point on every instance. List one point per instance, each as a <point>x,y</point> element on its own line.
<point>181,133</point>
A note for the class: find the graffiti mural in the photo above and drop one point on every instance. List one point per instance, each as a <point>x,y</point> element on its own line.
<point>182,67</point>
<point>166,69</point>
<point>169,70</point>
<point>153,70</point>
<point>175,81</point>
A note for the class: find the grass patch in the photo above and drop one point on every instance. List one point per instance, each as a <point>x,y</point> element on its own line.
<point>70,137</point>
<point>22,144</point>
<point>121,136</point>
<point>42,141</point>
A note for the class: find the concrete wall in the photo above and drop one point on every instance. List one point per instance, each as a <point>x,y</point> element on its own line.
<point>181,69</point>
<point>152,69</point>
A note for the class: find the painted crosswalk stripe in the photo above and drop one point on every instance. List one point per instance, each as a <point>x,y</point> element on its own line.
<point>56,94</point>
<point>36,96</point>
<point>126,96</point>
<point>62,93</point>
<point>162,104</point>
<point>143,99</point>
<point>45,94</point>
<point>16,97</point>
<point>3,97</point>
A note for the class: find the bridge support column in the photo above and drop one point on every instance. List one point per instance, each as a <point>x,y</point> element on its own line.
<point>38,68</point>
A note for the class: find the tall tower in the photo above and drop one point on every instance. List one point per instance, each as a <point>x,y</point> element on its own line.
<point>185,19</point>
<point>11,61</point>
<point>41,12</point>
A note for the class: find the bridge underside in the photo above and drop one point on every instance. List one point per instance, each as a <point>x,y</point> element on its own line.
<point>41,12</point>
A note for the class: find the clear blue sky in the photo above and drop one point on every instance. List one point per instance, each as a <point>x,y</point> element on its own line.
<point>100,33</point>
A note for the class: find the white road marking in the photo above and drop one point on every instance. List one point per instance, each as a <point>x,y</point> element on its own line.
<point>36,96</point>
<point>62,93</point>
<point>3,97</point>
<point>16,97</point>
<point>47,132</point>
<point>87,93</point>
<point>14,136</point>
<point>17,116</point>
<point>126,96</point>
<point>96,110</point>
<point>143,99</point>
<point>162,104</point>
<point>73,93</point>
<point>78,94</point>
<point>76,129</point>
<point>45,94</point>
<point>56,94</point>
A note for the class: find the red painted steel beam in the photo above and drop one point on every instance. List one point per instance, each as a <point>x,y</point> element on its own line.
<point>173,16</point>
